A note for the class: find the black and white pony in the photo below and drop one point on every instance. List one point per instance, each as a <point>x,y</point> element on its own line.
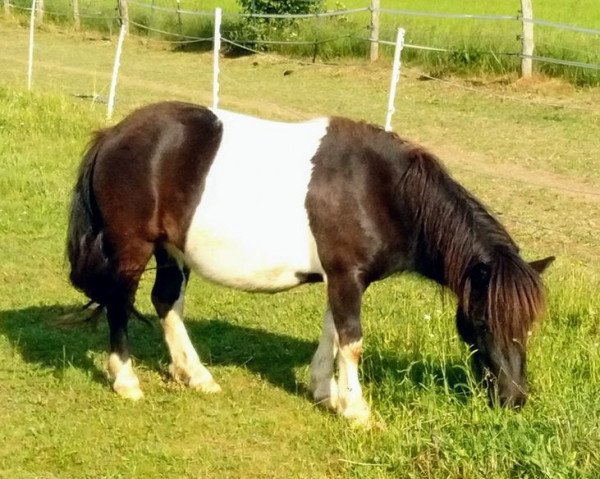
<point>265,206</point>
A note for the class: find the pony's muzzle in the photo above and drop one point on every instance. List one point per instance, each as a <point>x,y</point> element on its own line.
<point>515,401</point>
<point>510,396</point>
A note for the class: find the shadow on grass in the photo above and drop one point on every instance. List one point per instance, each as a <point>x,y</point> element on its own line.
<point>421,372</point>
<point>35,335</point>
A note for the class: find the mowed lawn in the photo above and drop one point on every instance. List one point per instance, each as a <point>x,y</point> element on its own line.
<point>529,150</point>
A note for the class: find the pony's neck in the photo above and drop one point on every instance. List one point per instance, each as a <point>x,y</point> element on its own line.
<point>453,230</point>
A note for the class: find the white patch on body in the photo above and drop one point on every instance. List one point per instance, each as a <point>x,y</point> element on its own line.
<point>125,382</point>
<point>322,380</point>
<point>186,366</point>
<point>250,230</point>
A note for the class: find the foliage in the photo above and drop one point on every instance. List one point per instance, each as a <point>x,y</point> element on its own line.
<point>262,30</point>
<point>292,7</point>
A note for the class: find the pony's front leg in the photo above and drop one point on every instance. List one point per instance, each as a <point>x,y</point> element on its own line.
<point>186,367</point>
<point>345,295</point>
<point>168,298</point>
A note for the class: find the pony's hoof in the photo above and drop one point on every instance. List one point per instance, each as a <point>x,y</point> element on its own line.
<point>178,375</point>
<point>133,393</point>
<point>325,394</point>
<point>358,414</point>
<point>207,387</point>
<point>327,402</point>
<point>358,420</point>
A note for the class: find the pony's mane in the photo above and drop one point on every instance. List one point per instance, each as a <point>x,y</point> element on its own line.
<point>459,232</point>
<point>515,298</point>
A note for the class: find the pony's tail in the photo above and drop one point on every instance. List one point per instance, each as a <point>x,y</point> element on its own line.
<point>88,254</point>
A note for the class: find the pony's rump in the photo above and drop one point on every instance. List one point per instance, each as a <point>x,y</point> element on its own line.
<point>86,249</point>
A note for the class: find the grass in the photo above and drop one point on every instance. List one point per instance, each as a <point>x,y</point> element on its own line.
<point>476,46</point>
<point>530,162</point>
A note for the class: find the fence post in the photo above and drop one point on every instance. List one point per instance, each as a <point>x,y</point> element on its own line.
<point>7,8</point>
<point>39,10</point>
<point>374,37</point>
<point>527,44</point>
<point>179,22</point>
<point>216,51</point>
<point>123,14</point>
<point>76,19</point>
<point>30,59</point>
<point>115,73</point>
<point>395,78</point>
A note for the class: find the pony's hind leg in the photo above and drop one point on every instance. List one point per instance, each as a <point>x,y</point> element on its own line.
<point>120,370</point>
<point>131,265</point>
<point>168,298</point>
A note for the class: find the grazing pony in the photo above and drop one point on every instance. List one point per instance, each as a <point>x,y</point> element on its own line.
<point>265,206</point>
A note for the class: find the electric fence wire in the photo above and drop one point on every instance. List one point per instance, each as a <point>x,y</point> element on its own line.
<point>188,38</point>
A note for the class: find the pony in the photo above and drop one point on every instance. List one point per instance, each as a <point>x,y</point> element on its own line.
<point>261,205</point>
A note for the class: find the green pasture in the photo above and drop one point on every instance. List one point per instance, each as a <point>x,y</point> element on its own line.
<point>529,151</point>
<point>476,46</point>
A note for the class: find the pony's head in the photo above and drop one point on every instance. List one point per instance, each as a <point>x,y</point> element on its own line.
<point>497,307</point>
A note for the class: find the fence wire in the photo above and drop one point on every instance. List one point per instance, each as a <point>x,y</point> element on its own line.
<point>347,12</point>
<point>418,13</point>
<point>98,16</point>
<point>560,26</point>
<point>202,13</point>
<point>335,13</point>
<point>188,38</point>
<point>557,61</point>
<point>454,84</point>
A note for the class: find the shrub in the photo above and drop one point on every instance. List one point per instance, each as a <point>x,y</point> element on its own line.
<point>252,29</point>
<point>280,6</point>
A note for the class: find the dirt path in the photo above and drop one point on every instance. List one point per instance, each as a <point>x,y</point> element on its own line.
<point>478,164</point>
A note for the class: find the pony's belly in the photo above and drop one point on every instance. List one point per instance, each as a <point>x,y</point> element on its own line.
<point>250,263</point>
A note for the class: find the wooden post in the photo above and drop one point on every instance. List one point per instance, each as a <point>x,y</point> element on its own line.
<point>374,37</point>
<point>7,8</point>
<point>123,14</point>
<point>527,44</point>
<point>30,56</point>
<point>216,52</point>
<point>179,22</point>
<point>76,19</point>
<point>39,11</point>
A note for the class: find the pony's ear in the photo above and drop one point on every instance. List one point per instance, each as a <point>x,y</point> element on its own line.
<point>540,265</point>
<point>480,276</point>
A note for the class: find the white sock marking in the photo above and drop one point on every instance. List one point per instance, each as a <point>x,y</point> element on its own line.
<point>323,384</point>
<point>186,366</point>
<point>125,382</point>
<point>352,403</point>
